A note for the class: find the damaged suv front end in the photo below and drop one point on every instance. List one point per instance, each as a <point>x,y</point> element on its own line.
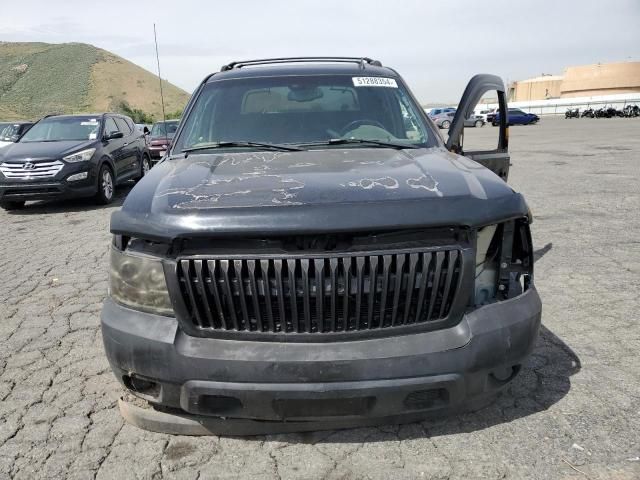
<point>305,285</point>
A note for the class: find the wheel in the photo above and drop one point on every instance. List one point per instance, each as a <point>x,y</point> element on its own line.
<point>446,124</point>
<point>106,186</point>
<point>495,124</point>
<point>479,123</point>
<point>12,205</point>
<point>144,167</point>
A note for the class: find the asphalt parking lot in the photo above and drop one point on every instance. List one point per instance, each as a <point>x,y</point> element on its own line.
<point>574,412</point>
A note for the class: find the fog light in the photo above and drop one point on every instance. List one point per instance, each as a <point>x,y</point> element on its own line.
<point>78,176</point>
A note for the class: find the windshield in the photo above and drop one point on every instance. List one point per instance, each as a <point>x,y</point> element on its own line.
<point>164,129</point>
<point>304,110</point>
<point>58,129</point>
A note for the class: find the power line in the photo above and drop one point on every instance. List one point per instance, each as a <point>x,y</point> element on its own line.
<point>155,37</point>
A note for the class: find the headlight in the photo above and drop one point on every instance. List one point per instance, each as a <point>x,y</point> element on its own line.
<point>138,282</point>
<point>504,261</point>
<point>82,156</point>
<point>486,266</point>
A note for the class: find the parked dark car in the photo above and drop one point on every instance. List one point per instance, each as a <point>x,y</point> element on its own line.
<point>516,117</point>
<point>11,132</point>
<point>160,138</point>
<point>311,254</point>
<point>64,156</point>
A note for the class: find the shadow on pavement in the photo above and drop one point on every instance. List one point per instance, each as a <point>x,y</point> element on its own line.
<point>541,252</point>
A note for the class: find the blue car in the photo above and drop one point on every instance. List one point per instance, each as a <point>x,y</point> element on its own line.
<point>516,117</point>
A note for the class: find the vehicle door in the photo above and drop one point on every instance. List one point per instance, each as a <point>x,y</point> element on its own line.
<point>113,144</point>
<point>516,117</point>
<point>495,159</point>
<point>130,148</point>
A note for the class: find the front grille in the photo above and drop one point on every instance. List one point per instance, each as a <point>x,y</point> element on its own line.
<point>342,293</point>
<point>29,170</point>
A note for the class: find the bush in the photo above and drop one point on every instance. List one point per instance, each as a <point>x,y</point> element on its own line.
<point>176,114</point>
<point>137,115</point>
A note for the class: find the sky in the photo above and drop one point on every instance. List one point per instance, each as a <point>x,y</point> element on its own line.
<point>435,45</point>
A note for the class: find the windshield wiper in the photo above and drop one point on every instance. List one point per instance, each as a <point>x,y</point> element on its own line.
<point>346,141</point>
<point>269,146</point>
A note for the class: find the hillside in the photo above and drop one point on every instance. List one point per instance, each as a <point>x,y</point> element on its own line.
<point>41,78</point>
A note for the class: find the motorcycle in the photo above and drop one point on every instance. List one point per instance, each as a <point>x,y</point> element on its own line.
<point>575,113</point>
<point>631,111</point>
<point>588,113</point>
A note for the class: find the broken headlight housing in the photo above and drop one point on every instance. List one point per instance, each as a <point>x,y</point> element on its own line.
<point>504,261</point>
<point>137,281</point>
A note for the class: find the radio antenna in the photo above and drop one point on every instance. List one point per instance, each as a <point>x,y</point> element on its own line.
<point>155,37</point>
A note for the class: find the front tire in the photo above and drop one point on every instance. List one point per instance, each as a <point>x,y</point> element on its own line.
<point>17,205</point>
<point>106,186</point>
<point>479,123</point>
<point>145,166</point>
<point>446,124</point>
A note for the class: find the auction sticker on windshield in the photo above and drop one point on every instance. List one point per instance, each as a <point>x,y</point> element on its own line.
<point>374,82</point>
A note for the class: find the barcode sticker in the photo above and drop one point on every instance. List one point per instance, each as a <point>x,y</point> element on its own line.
<point>374,82</point>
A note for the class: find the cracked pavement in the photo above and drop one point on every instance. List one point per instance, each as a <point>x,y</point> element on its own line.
<point>572,413</point>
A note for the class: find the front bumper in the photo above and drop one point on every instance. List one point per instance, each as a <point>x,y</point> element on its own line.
<point>157,151</point>
<point>45,190</point>
<point>321,384</point>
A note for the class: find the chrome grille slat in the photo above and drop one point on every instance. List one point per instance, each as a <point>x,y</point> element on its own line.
<point>398,287</point>
<point>386,264</point>
<point>435,284</point>
<point>333,266</point>
<point>320,295</point>
<point>213,285</point>
<point>373,282</point>
<point>239,281</point>
<point>264,273</point>
<point>40,169</point>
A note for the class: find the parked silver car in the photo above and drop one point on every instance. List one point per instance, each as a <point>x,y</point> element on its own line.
<point>444,120</point>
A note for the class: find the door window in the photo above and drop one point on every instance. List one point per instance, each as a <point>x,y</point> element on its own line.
<point>122,126</point>
<point>110,127</point>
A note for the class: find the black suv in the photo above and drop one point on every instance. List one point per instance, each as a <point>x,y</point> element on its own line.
<point>64,156</point>
<point>310,254</point>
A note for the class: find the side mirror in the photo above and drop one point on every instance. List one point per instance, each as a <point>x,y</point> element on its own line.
<point>113,135</point>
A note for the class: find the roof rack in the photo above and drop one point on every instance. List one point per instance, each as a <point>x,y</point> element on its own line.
<point>362,61</point>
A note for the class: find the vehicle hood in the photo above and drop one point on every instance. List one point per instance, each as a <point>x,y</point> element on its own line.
<point>18,152</point>
<point>313,191</point>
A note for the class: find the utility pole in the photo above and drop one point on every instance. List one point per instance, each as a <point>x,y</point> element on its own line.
<point>155,37</point>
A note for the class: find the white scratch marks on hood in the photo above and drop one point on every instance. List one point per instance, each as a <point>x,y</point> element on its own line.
<point>369,183</point>
<point>426,182</point>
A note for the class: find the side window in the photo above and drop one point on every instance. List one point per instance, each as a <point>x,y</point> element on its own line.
<point>110,126</point>
<point>132,126</point>
<point>122,125</point>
